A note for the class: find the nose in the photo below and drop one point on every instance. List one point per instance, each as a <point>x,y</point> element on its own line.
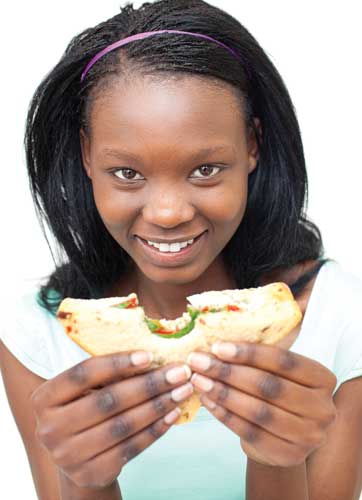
<point>168,208</point>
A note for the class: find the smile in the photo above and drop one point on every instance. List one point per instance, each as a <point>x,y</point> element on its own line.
<point>164,253</point>
<point>172,247</point>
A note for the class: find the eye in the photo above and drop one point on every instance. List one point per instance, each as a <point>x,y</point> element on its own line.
<point>128,174</point>
<point>207,171</point>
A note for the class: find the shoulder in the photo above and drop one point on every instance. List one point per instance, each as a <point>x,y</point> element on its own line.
<point>24,311</point>
<point>35,337</point>
<point>338,291</point>
<point>23,331</point>
<point>331,328</point>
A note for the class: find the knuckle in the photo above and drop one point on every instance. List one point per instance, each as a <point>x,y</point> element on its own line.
<point>151,384</point>
<point>270,386</point>
<point>129,451</point>
<point>287,361</point>
<point>329,416</point>
<point>62,456</point>
<point>222,394</point>
<point>160,405</point>
<point>119,362</point>
<point>156,429</point>
<point>247,351</point>
<point>250,434</point>
<point>46,434</point>
<point>224,415</point>
<point>224,370</point>
<point>79,373</point>
<point>121,427</point>
<point>263,415</point>
<point>106,401</point>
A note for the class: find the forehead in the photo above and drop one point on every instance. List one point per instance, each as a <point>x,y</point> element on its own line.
<point>187,108</point>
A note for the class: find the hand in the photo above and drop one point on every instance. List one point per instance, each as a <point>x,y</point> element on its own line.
<point>278,402</point>
<point>90,431</point>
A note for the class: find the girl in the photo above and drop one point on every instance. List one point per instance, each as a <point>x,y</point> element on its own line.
<point>165,125</point>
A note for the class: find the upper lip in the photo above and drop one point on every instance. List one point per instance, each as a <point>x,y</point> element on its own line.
<point>169,242</point>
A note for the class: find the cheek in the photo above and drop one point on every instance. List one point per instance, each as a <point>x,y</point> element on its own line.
<point>115,208</point>
<point>226,205</point>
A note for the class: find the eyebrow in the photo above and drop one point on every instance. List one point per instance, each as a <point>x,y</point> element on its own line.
<point>201,153</point>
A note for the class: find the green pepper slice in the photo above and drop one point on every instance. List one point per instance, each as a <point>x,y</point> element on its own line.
<point>154,325</point>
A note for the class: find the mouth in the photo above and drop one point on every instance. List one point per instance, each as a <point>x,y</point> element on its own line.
<point>172,257</point>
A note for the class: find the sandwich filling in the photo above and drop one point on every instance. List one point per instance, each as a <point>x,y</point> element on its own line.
<point>179,327</point>
<point>132,302</point>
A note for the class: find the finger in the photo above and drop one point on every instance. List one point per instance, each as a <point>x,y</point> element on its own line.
<point>120,396</point>
<point>292,366</point>
<point>89,443</point>
<point>274,450</point>
<point>276,421</point>
<point>104,468</point>
<point>93,372</point>
<point>283,393</point>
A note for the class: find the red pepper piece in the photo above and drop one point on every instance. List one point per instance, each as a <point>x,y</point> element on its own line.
<point>233,308</point>
<point>128,304</point>
<point>165,332</point>
<point>132,303</point>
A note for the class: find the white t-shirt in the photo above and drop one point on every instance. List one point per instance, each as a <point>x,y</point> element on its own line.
<point>203,459</point>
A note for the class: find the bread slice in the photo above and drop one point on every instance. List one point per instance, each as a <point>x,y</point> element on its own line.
<point>264,315</point>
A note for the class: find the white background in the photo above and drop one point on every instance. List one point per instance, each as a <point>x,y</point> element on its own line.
<point>317,48</point>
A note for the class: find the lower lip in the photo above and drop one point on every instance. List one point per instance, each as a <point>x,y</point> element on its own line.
<point>168,258</point>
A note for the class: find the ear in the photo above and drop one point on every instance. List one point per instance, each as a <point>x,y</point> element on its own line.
<point>85,150</point>
<point>253,150</point>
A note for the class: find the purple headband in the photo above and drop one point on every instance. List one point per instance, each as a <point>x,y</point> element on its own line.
<point>140,36</point>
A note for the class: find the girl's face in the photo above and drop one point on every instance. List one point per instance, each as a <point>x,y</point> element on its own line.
<point>169,162</point>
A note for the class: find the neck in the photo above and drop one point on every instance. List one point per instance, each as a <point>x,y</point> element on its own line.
<point>168,300</point>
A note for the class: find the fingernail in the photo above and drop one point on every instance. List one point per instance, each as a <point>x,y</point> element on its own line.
<point>199,360</point>
<point>182,392</point>
<point>201,382</point>
<point>223,349</point>
<point>178,374</point>
<point>141,358</point>
<point>172,416</point>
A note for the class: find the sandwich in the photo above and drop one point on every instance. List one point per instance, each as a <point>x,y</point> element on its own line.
<point>103,326</point>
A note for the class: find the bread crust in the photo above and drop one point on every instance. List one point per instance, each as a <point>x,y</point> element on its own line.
<point>268,314</point>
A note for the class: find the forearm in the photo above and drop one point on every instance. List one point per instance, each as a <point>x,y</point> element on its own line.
<point>276,483</point>
<point>69,491</point>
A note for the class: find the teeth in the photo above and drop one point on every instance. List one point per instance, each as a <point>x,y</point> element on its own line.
<point>173,247</point>
<point>164,247</point>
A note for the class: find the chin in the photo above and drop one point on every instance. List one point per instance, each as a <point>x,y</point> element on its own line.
<point>172,276</point>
